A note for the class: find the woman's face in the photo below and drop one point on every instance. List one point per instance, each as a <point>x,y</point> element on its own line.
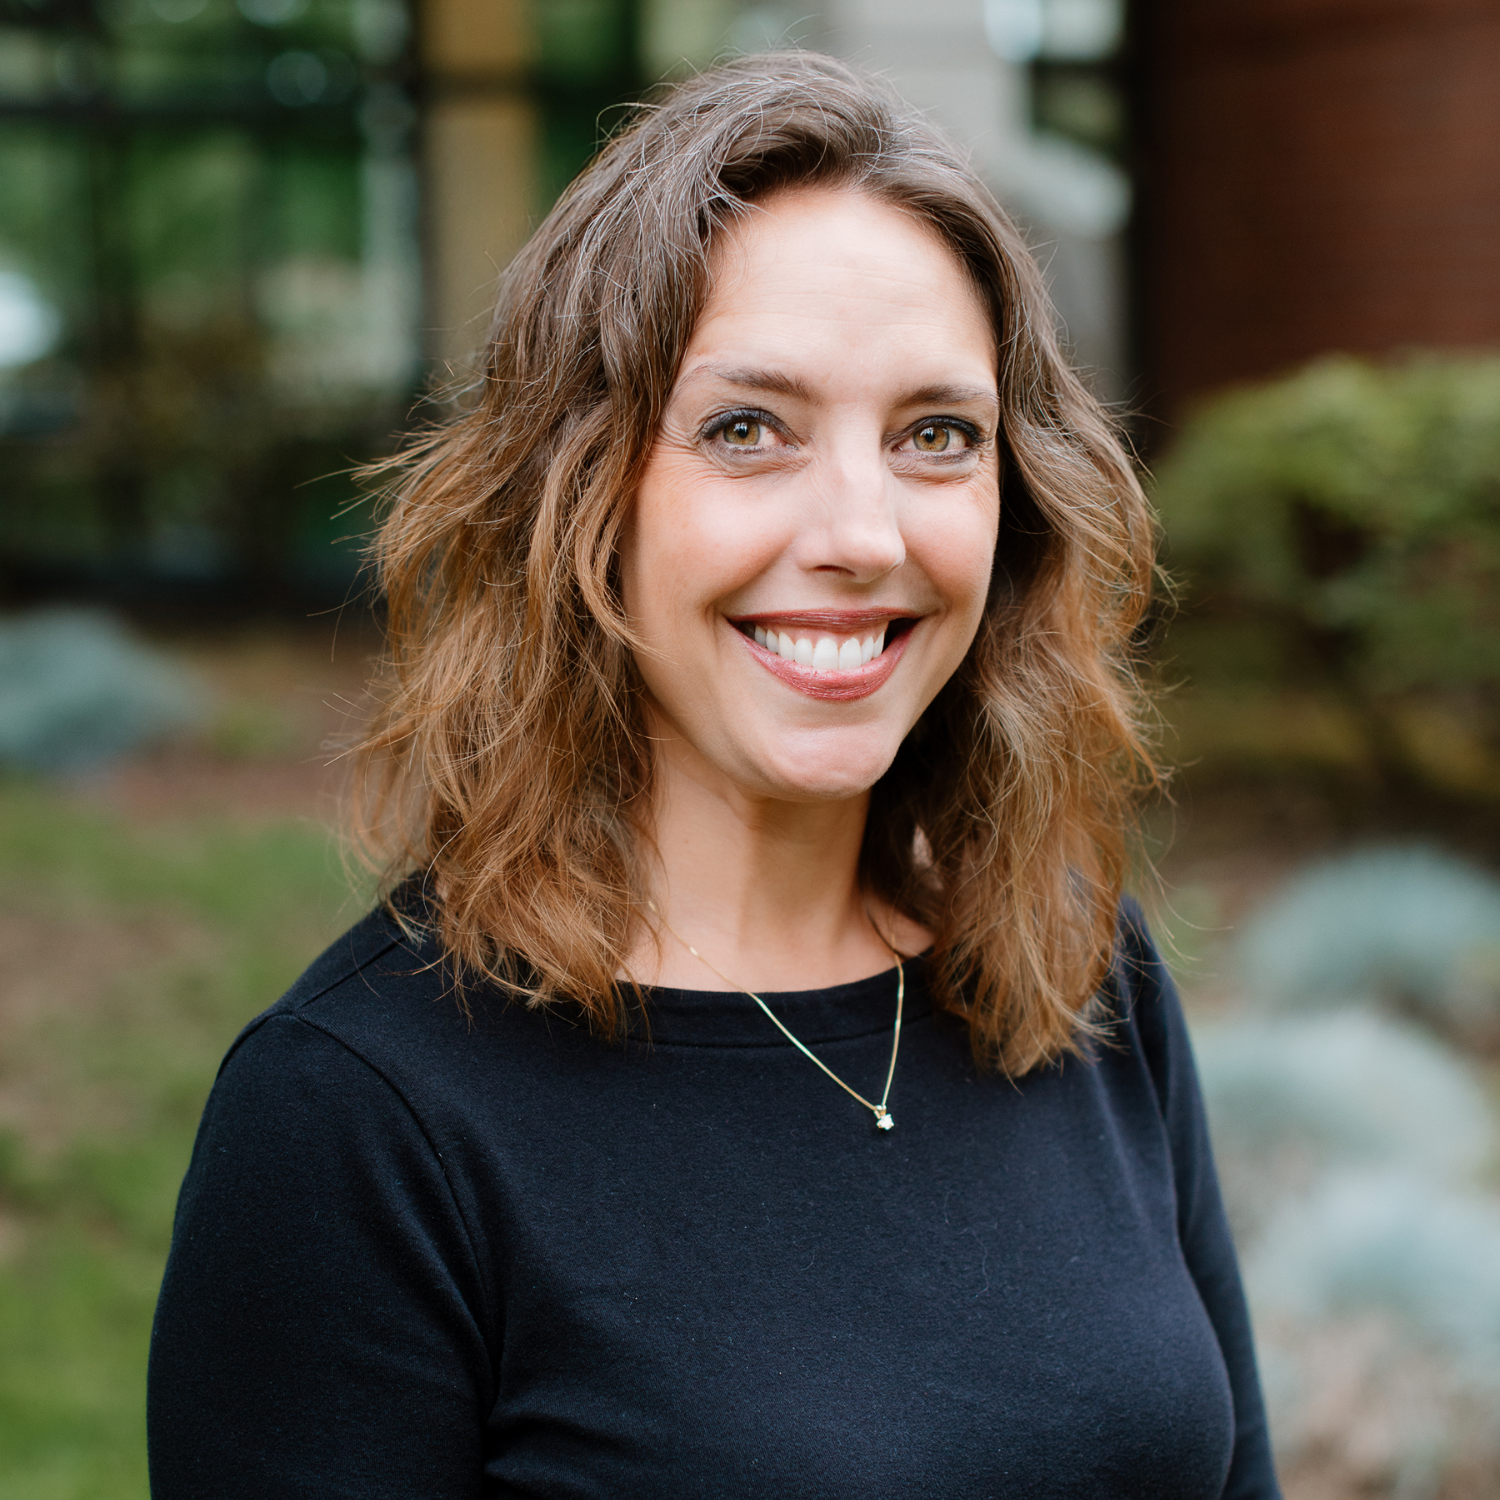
<point>810,548</point>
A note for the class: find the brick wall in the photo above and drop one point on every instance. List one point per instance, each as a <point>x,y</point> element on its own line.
<point>1314,175</point>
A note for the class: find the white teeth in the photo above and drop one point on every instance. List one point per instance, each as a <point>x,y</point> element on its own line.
<point>823,654</point>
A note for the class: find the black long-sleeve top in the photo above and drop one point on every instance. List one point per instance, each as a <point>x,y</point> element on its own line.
<point>423,1257</point>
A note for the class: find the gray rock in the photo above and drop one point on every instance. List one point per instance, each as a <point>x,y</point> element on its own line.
<point>1413,929</point>
<point>77,691</point>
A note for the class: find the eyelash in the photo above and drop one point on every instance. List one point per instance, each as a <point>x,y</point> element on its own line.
<point>721,421</point>
<point>975,437</point>
<point>718,424</point>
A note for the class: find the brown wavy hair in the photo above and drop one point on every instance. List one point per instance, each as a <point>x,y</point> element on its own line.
<point>509,764</point>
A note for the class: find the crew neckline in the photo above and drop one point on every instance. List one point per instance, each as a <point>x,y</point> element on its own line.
<point>730,1018</point>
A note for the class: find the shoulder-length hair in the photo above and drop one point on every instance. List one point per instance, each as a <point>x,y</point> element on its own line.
<point>510,765</point>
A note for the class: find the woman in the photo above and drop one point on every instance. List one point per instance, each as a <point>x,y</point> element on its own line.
<point>755,1089</point>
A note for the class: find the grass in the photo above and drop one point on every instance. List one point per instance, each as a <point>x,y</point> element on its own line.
<point>135,952</point>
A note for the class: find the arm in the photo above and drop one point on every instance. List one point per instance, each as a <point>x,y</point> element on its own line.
<point>319,1331</point>
<point>1202,1228</point>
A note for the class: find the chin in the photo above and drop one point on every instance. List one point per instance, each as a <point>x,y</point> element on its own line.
<point>829,772</point>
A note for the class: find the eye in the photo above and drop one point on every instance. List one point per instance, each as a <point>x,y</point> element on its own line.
<point>941,437</point>
<point>742,432</point>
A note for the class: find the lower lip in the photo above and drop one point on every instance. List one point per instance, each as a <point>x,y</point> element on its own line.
<point>836,687</point>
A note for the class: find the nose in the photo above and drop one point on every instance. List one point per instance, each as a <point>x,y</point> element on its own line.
<point>851,523</point>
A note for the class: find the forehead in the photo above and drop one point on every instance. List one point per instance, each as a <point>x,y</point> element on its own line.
<point>848,263</point>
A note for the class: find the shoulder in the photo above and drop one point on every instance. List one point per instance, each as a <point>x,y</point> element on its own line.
<point>377,991</point>
<point>379,1019</point>
<point>1141,982</point>
<point>1143,1008</point>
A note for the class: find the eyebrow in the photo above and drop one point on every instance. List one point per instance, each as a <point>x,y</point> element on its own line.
<point>949,395</point>
<point>778,383</point>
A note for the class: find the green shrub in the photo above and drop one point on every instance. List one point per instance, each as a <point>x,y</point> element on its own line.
<point>1350,512</point>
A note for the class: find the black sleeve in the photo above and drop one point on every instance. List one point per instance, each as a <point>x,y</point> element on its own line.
<point>1202,1227</point>
<point>320,1330</point>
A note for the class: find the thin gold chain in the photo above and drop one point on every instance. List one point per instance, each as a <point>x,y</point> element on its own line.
<point>882,1114</point>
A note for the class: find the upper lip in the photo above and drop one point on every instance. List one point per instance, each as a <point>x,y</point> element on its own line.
<point>847,620</point>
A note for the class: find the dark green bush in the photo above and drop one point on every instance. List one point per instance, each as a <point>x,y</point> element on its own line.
<point>1350,514</point>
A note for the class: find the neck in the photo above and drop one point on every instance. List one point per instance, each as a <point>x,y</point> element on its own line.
<point>766,889</point>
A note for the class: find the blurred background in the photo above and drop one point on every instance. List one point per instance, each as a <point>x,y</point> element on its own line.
<point>245,243</point>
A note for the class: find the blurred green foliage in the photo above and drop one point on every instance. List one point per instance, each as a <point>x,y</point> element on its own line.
<point>587,70</point>
<point>213,205</point>
<point>1340,527</point>
<point>207,922</point>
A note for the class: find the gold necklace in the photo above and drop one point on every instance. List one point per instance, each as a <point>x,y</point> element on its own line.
<point>883,1117</point>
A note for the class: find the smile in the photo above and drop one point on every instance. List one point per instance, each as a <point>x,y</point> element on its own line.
<point>823,653</point>
<point>833,655</point>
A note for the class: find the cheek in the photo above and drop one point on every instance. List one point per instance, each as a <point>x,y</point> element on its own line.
<point>650,548</point>
<point>691,539</point>
<point>959,557</point>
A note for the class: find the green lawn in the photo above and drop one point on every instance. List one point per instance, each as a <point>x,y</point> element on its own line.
<point>133,951</point>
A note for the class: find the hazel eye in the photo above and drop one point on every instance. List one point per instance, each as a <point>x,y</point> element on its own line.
<point>937,437</point>
<point>742,432</point>
<point>749,432</point>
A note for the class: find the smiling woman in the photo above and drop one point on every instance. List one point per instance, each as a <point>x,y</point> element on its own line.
<point>841,509</point>
<point>765,620</point>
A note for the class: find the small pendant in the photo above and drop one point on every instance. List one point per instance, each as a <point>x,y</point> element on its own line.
<point>884,1120</point>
